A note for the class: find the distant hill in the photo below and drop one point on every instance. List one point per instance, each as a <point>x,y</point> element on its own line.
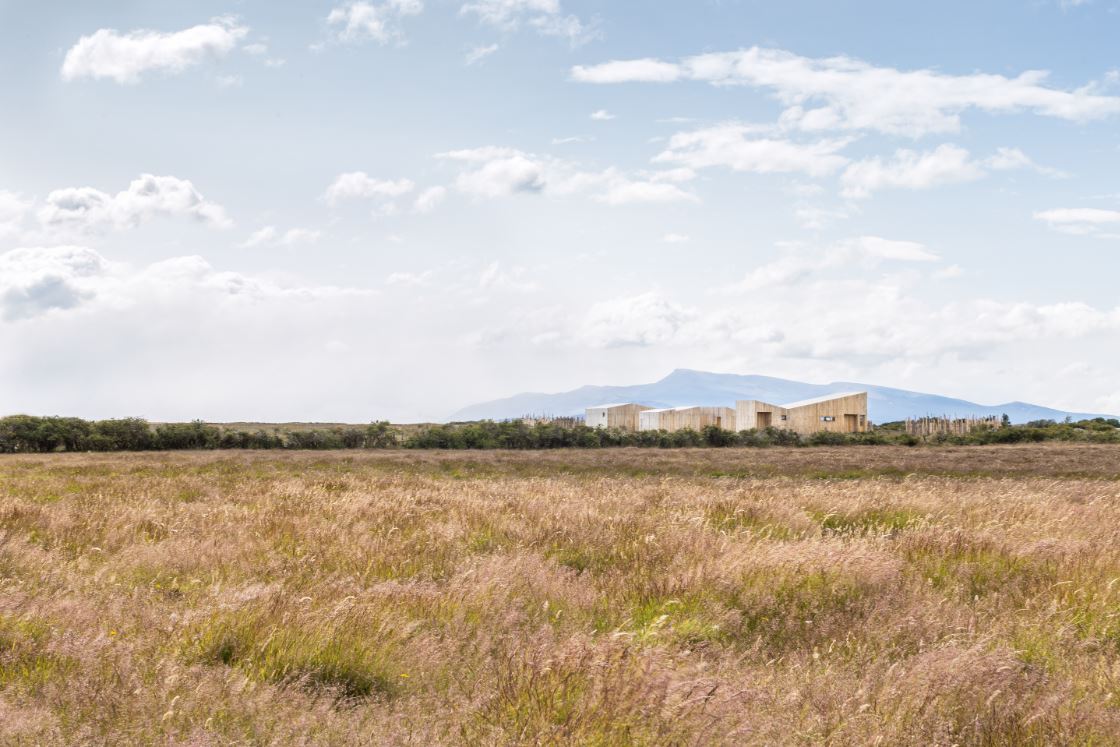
<point>685,387</point>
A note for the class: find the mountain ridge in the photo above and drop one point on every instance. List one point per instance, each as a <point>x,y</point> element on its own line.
<point>685,386</point>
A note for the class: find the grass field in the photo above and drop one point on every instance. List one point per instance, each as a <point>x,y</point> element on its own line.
<point>847,596</point>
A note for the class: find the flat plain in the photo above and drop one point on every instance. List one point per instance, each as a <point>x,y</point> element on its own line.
<point>845,596</point>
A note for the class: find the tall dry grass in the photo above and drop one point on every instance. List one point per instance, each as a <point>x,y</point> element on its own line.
<point>833,596</point>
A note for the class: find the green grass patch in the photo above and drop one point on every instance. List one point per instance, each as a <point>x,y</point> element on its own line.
<point>791,610</point>
<point>976,570</point>
<point>729,516</point>
<point>25,662</point>
<point>625,552</point>
<point>877,520</point>
<point>685,621</point>
<point>586,698</point>
<point>327,659</point>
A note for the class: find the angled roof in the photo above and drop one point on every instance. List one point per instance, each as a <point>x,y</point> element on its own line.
<point>818,400</point>
<point>759,401</point>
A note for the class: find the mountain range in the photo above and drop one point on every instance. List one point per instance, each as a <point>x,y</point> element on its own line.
<point>686,387</point>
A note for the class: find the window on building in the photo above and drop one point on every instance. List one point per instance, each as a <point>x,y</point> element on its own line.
<point>785,417</point>
<point>827,418</point>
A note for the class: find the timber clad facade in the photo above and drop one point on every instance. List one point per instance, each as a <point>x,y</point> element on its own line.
<point>680,418</point>
<point>623,416</point>
<point>836,413</point>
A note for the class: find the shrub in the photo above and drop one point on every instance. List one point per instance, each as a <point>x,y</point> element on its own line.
<point>126,434</point>
<point>193,435</point>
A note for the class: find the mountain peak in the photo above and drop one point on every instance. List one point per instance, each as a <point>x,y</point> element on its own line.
<point>684,373</point>
<point>686,386</point>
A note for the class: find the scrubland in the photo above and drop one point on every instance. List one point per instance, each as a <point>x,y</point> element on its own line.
<point>846,596</point>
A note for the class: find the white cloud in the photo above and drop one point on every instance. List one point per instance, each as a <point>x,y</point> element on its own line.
<point>494,277</point>
<point>34,281</point>
<point>480,53</point>
<point>740,147</point>
<point>646,70</point>
<point>948,273</point>
<point>843,93</point>
<point>509,13</point>
<point>505,175</point>
<point>149,196</point>
<point>13,208</point>
<point>429,199</point>
<point>478,155</point>
<point>86,209</point>
<point>300,236</point>
<point>781,272</point>
<point>571,28</point>
<point>946,164</point>
<point>790,318</point>
<point>642,320</point>
<point>602,115</point>
<point>900,251</point>
<point>677,176</point>
<point>377,21</point>
<point>124,58</point>
<point>624,191</point>
<point>815,218</point>
<point>798,263</point>
<point>410,279</point>
<point>884,321</point>
<point>676,238</point>
<point>260,49</point>
<point>1007,159</point>
<point>263,236</point>
<point>546,16</point>
<point>360,185</point>
<point>1109,403</point>
<point>502,172</point>
<point>1082,221</point>
<point>270,236</point>
<point>140,331</point>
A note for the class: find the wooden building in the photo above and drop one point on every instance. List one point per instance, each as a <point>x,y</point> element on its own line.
<point>680,418</point>
<point>623,416</point>
<point>838,413</point>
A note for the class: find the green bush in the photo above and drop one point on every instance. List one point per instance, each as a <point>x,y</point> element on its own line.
<point>193,435</point>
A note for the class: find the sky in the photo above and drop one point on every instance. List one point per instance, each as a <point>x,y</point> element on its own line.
<point>318,210</point>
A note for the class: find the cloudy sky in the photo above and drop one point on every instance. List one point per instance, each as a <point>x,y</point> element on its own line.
<point>328,210</point>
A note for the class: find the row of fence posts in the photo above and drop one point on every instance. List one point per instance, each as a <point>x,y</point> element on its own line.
<point>563,422</point>
<point>931,426</point>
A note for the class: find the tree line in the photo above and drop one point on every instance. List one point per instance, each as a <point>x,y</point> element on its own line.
<point>32,434</point>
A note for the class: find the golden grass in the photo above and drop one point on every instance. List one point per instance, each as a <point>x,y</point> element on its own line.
<point>843,596</point>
